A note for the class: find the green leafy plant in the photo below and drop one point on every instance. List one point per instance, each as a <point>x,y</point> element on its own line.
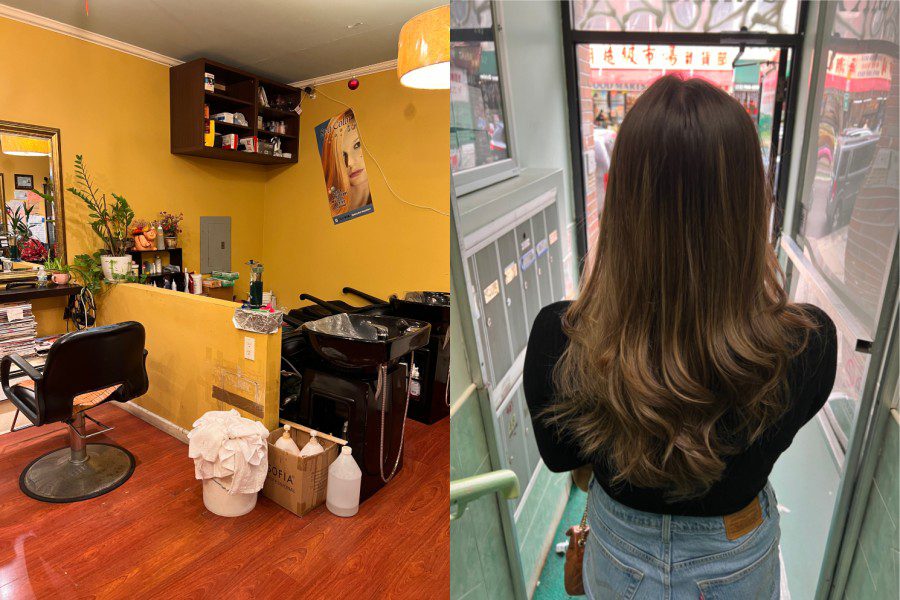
<point>18,221</point>
<point>56,265</point>
<point>110,221</point>
<point>87,271</point>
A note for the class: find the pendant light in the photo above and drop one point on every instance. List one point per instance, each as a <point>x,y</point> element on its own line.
<point>423,52</point>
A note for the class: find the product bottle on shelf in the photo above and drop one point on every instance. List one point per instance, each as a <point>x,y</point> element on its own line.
<point>344,478</point>
<point>160,238</point>
<point>157,265</point>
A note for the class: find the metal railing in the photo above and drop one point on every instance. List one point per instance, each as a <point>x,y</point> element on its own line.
<point>463,491</point>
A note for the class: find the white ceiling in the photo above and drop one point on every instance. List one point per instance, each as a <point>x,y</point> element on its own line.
<point>287,40</point>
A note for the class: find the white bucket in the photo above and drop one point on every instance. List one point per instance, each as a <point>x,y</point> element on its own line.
<point>218,501</point>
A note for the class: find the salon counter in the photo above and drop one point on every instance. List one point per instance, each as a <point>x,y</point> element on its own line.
<point>196,357</point>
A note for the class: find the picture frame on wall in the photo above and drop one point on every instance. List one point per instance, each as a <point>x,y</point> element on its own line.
<point>24,182</point>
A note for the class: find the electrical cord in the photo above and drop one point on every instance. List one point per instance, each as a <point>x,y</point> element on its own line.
<point>377,164</point>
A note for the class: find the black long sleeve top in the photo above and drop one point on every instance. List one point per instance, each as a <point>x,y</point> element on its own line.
<point>810,379</point>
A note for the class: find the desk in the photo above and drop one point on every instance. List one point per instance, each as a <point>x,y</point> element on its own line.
<point>50,290</point>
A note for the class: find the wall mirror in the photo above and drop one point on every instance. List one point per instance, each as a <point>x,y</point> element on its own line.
<point>33,227</point>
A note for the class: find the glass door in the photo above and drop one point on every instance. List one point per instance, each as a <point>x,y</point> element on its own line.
<point>617,48</point>
<point>841,251</point>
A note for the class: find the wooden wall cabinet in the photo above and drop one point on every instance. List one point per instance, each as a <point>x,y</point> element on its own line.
<point>241,94</point>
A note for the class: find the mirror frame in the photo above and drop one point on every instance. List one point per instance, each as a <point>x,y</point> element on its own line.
<point>52,134</point>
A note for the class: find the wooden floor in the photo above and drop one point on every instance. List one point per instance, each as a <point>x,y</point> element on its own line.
<point>153,538</point>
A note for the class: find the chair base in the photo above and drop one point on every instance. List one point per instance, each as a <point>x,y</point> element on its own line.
<point>54,477</point>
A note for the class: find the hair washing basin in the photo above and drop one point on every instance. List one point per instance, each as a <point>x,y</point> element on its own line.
<point>355,341</point>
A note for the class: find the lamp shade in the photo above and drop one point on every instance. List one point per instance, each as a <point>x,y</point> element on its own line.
<point>24,145</point>
<point>423,52</point>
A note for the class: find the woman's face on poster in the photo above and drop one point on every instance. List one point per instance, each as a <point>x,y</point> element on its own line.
<point>353,159</point>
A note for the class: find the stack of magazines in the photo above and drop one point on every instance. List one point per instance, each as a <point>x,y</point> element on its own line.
<point>17,329</point>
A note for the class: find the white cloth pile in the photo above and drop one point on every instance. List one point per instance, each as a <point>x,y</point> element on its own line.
<point>226,445</point>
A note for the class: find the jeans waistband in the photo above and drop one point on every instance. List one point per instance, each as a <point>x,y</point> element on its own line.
<point>601,502</point>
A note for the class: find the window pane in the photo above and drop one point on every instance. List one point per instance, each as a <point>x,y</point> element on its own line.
<point>849,221</point>
<point>766,16</point>
<point>477,123</point>
<point>611,77</point>
<point>852,366</point>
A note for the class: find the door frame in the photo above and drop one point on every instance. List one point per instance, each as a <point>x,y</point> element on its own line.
<point>573,37</point>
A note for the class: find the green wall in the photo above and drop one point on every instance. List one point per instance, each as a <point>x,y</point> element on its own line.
<point>479,567</point>
<point>536,80</point>
<point>875,569</point>
<point>535,76</point>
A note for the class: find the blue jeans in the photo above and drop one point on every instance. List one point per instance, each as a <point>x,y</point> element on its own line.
<point>634,554</point>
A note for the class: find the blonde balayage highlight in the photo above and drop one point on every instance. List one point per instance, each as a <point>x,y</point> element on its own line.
<point>680,339</point>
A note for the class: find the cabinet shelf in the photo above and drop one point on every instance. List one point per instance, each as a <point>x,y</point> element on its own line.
<point>224,125</point>
<point>187,98</point>
<point>216,97</point>
<point>267,111</point>
<point>273,134</point>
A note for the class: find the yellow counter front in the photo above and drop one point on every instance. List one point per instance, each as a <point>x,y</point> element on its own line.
<point>196,359</point>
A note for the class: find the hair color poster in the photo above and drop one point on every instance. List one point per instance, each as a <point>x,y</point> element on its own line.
<point>344,167</point>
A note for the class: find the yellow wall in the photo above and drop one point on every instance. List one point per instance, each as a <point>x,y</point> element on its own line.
<point>193,346</point>
<point>396,248</point>
<point>114,109</point>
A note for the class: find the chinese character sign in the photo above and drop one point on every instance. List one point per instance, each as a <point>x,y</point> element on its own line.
<point>667,57</point>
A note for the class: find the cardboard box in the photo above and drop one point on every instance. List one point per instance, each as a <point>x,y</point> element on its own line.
<point>225,117</point>
<point>249,143</point>
<point>209,138</point>
<point>298,484</point>
<point>230,141</point>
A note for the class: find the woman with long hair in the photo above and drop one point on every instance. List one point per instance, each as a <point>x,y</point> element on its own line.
<point>346,177</point>
<point>682,371</point>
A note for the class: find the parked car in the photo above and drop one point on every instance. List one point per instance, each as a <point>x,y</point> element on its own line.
<point>854,153</point>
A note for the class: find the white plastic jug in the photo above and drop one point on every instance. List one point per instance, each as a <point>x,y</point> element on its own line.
<point>344,479</point>
<point>312,447</point>
<point>287,443</point>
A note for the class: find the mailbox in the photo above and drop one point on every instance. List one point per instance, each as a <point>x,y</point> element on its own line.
<point>531,449</point>
<point>528,272</point>
<point>511,282</point>
<point>512,437</point>
<point>493,311</point>
<point>554,240</point>
<point>542,258</point>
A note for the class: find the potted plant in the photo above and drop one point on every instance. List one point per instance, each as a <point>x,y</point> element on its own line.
<point>59,271</point>
<point>110,221</point>
<point>171,226</point>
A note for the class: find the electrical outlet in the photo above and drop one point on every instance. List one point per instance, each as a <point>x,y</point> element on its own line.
<point>249,348</point>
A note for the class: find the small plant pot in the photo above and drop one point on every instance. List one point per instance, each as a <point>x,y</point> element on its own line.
<point>171,243</point>
<point>61,278</point>
<point>115,265</point>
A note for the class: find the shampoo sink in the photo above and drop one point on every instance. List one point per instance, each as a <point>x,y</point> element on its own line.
<point>358,341</point>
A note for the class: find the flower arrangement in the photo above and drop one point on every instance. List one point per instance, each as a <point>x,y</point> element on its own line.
<point>32,250</point>
<point>170,223</point>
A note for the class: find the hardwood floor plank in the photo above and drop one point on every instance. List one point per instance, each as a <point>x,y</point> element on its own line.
<point>153,537</point>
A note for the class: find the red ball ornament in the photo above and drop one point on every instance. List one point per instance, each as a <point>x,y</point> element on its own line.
<point>353,83</point>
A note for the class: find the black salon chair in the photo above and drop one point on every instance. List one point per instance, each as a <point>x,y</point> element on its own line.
<point>83,369</point>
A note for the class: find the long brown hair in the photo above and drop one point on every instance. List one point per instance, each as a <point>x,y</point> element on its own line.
<point>680,338</point>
